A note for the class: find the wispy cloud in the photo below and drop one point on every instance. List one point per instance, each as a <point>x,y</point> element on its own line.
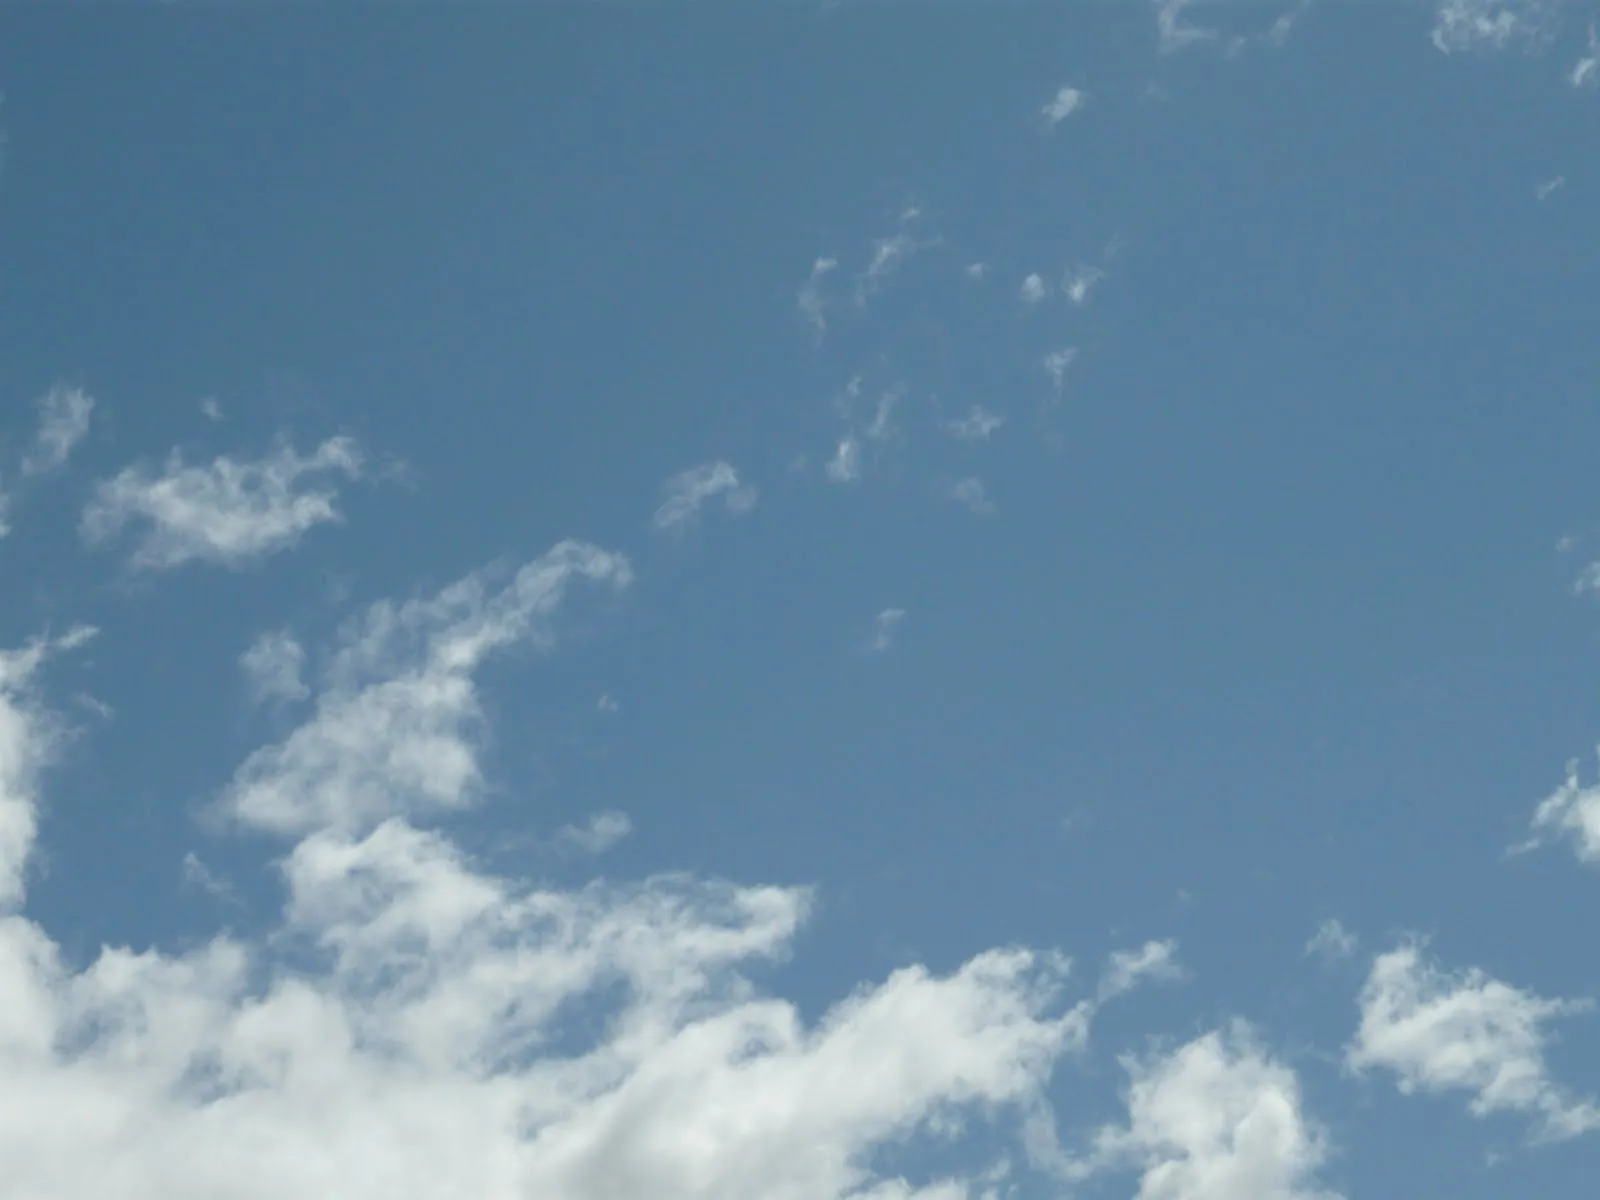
<point>891,252</point>
<point>226,512</point>
<point>1487,25</point>
<point>976,271</point>
<point>971,494</point>
<point>810,301</point>
<point>64,414</point>
<point>1062,105</point>
<point>1173,32</point>
<point>1079,282</point>
<point>845,465</point>
<point>884,628</point>
<point>196,875</point>
<point>1033,290</point>
<point>1542,192</point>
<point>601,832</point>
<point>1332,942</point>
<point>273,666</point>
<point>344,768</point>
<point>1055,366</point>
<point>1586,71</point>
<point>1154,961</point>
<point>1571,812</point>
<point>976,426</point>
<point>687,491</point>
<point>1438,1031</point>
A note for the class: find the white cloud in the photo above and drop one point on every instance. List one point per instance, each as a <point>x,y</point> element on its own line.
<point>686,491</point>
<point>1080,282</point>
<point>1056,363</point>
<point>890,253</point>
<point>976,271</point>
<point>197,875</point>
<point>1216,1119</point>
<point>1543,191</point>
<point>63,421</point>
<point>210,409</point>
<point>1572,811</point>
<point>416,1027</point>
<point>884,627</point>
<point>1033,289</point>
<point>607,703</point>
<point>971,494</point>
<point>1129,968</point>
<point>845,465</point>
<point>30,738</point>
<point>272,665</point>
<point>227,512</point>
<point>1586,71</point>
<point>395,728</point>
<point>599,834</point>
<point>1487,25</point>
<point>1173,32</point>
<point>813,306</point>
<point>976,426</point>
<point>1062,105</point>
<point>1332,941</point>
<point>1442,1032</point>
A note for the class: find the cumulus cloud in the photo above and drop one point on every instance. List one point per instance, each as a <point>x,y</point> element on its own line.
<point>1572,812</point>
<point>226,512</point>
<point>1033,289</point>
<point>1438,1031</point>
<point>415,1026</point>
<point>1215,1119</point>
<point>972,495</point>
<point>687,491</point>
<point>64,414</point>
<point>1487,25</point>
<point>1062,105</point>
<point>1332,941</point>
<point>976,426</point>
<point>884,627</point>
<point>272,667</point>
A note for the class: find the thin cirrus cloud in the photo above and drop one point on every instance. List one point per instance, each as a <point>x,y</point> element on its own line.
<point>1332,942</point>
<point>226,512</point>
<point>273,666</point>
<point>973,496</point>
<point>1487,25</point>
<point>976,426</point>
<point>64,414</point>
<point>1585,72</point>
<point>1437,1031</point>
<point>687,492</point>
<point>385,1038</point>
<point>811,301</point>
<point>885,627</point>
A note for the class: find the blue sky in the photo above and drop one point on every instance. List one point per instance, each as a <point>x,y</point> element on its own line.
<point>804,601</point>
